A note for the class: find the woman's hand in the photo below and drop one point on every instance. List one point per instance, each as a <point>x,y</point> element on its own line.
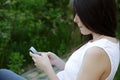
<point>41,61</point>
<point>55,60</point>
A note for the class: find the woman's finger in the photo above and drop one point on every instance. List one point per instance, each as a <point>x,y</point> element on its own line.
<point>33,55</point>
<point>34,59</point>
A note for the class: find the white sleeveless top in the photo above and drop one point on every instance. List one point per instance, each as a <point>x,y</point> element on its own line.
<point>74,62</point>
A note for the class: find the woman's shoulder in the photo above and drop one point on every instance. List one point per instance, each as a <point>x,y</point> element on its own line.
<point>95,51</point>
<point>105,41</point>
<point>112,39</point>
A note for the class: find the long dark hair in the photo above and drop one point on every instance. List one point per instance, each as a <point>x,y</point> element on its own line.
<point>98,16</point>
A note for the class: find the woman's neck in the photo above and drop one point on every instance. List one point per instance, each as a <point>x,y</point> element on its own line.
<point>97,37</point>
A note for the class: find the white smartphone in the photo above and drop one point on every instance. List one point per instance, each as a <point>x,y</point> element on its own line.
<point>33,50</point>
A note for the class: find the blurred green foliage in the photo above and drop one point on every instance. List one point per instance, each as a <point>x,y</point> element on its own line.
<point>117,76</point>
<point>15,62</point>
<point>118,17</point>
<point>44,24</point>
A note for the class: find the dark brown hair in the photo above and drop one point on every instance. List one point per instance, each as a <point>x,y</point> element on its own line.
<point>98,16</point>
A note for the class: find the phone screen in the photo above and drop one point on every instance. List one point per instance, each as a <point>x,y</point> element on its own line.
<point>33,50</point>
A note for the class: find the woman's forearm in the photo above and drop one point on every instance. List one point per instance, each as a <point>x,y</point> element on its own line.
<point>60,64</point>
<point>51,73</point>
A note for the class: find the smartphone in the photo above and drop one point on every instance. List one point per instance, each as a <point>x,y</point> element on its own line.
<point>33,50</point>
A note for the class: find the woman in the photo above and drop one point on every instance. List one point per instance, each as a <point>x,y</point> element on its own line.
<point>98,58</point>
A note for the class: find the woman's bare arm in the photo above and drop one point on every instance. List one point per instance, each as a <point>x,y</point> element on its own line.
<point>94,64</point>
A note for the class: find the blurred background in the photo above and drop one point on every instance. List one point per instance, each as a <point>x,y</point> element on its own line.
<point>45,24</point>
